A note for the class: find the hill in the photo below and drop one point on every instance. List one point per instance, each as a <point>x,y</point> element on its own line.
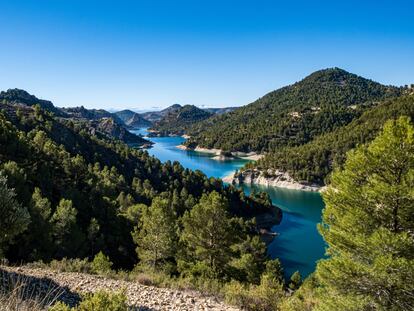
<point>90,114</point>
<point>94,121</point>
<point>176,121</point>
<point>220,110</point>
<point>314,161</point>
<point>83,189</point>
<point>292,115</point>
<point>18,96</point>
<point>132,119</point>
<point>154,116</point>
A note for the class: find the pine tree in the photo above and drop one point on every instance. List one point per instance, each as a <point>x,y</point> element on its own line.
<point>295,280</point>
<point>66,234</point>
<point>156,234</point>
<point>208,234</point>
<point>368,225</point>
<point>14,218</point>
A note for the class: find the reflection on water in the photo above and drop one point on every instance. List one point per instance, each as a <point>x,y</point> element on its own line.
<point>299,244</point>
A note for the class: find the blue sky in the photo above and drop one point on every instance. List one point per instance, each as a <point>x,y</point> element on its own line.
<point>145,54</point>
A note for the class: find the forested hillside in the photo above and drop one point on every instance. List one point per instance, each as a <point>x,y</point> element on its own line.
<point>94,121</point>
<point>292,115</point>
<point>18,96</point>
<point>154,116</point>
<point>79,194</point>
<point>312,162</point>
<point>178,120</point>
<point>367,225</point>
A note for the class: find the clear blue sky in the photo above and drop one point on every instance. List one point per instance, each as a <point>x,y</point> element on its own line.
<point>144,54</point>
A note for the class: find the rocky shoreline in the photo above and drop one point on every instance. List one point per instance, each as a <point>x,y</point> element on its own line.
<point>272,178</point>
<point>220,155</point>
<point>70,285</point>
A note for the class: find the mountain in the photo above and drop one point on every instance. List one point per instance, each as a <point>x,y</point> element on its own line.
<point>90,114</point>
<point>18,96</point>
<point>154,116</point>
<point>85,193</point>
<point>292,115</point>
<point>176,121</point>
<point>132,119</point>
<point>220,110</point>
<point>94,121</point>
<point>314,161</point>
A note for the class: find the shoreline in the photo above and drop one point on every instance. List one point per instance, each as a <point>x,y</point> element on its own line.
<point>283,180</point>
<point>251,156</point>
<point>276,178</point>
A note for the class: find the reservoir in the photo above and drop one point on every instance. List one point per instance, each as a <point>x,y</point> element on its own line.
<point>299,244</point>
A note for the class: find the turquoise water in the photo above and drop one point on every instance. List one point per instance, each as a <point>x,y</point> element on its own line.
<point>299,244</point>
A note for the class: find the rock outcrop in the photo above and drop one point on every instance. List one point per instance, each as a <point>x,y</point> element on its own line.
<point>274,178</point>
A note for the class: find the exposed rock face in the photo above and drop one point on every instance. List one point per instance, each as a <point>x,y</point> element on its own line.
<point>274,178</point>
<point>140,297</point>
<point>132,119</point>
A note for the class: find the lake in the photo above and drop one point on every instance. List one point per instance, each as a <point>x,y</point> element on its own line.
<point>299,244</point>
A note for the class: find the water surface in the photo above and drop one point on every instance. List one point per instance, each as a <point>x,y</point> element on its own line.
<point>299,244</point>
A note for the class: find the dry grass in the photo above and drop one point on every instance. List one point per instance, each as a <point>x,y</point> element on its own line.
<point>21,293</point>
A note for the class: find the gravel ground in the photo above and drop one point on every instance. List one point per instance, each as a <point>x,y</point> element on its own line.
<point>140,297</point>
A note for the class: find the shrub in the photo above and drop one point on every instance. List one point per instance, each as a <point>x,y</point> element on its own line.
<point>101,264</point>
<point>99,301</point>
<point>71,265</point>
<point>264,297</point>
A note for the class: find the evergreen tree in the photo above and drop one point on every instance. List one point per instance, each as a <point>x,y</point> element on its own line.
<point>368,225</point>
<point>295,280</point>
<point>65,231</point>
<point>208,234</point>
<point>14,218</point>
<point>101,264</point>
<point>156,234</point>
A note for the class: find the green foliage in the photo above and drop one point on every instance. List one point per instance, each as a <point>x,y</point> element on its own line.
<point>99,301</point>
<point>14,218</point>
<point>292,115</point>
<point>64,228</point>
<point>264,297</point>
<point>314,161</point>
<point>207,236</point>
<point>85,192</point>
<point>101,264</point>
<point>305,298</point>
<point>156,235</point>
<point>367,224</point>
<point>295,280</point>
<point>178,120</point>
<point>251,261</point>
<point>274,270</point>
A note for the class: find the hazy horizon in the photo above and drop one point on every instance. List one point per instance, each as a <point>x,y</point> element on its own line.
<point>140,55</point>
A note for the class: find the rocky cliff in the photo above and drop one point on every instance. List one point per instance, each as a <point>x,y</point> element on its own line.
<point>274,178</point>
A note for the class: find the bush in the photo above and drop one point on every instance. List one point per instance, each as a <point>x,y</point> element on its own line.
<point>264,297</point>
<point>99,301</point>
<point>101,264</point>
<point>71,265</point>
